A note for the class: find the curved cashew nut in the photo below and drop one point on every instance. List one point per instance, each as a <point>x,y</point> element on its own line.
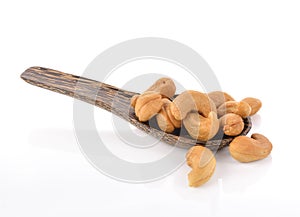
<point>240,108</point>
<point>144,110</point>
<point>176,123</point>
<point>203,164</point>
<point>254,103</point>
<point>191,100</point>
<point>147,105</point>
<point>201,128</point>
<point>219,97</point>
<point>165,120</point>
<point>133,100</point>
<point>164,86</point>
<point>231,124</point>
<point>245,149</point>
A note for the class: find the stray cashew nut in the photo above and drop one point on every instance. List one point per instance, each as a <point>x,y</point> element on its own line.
<point>245,149</point>
<point>219,97</point>
<point>203,164</point>
<point>240,108</point>
<point>200,127</point>
<point>254,103</point>
<point>191,100</point>
<point>231,124</point>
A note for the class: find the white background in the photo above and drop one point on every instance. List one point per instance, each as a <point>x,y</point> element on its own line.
<point>252,46</point>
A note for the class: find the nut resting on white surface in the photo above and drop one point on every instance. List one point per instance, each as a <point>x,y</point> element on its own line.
<point>246,149</point>
<point>203,164</point>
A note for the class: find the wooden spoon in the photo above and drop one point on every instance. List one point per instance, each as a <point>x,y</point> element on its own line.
<point>84,89</point>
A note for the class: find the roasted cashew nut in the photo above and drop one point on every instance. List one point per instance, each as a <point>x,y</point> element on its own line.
<point>203,164</point>
<point>219,97</point>
<point>176,123</point>
<point>240,108</point>
<point>150,102</point>
<point>254,103</point>
<point>164,86</point>
<point>245,149</point>
<point>200,127</point>
<point>191,100</point>
<point>133,100</point>
<point>231,124</point>
<point>147,105</point>
<point>164,118</point>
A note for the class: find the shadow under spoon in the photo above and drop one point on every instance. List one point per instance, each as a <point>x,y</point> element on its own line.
<point>116,101</point>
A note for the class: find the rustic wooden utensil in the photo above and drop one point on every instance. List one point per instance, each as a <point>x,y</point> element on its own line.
<point>107,96</point>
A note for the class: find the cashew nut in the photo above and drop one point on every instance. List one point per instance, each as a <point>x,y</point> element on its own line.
<point>164,86</point>
<point>245,149</point>
<point>150,102</point>
<point>191,100</point>
<point>254,103</point>
<point>203,164</point>
<point>133,100</point>
<point>219,97</point>
<point>240,108</point>
<point>231,124</point>
<point>200,127</point>
<point>176,123</point>
<point>147,105</point>
<point>165,120</point>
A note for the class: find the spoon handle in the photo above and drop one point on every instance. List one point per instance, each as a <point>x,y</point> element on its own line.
<point>87,90</point>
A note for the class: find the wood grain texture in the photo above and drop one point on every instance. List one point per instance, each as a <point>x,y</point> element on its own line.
<point>117,101</point>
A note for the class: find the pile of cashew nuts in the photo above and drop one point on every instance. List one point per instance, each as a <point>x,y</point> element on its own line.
<point>203,116</point>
